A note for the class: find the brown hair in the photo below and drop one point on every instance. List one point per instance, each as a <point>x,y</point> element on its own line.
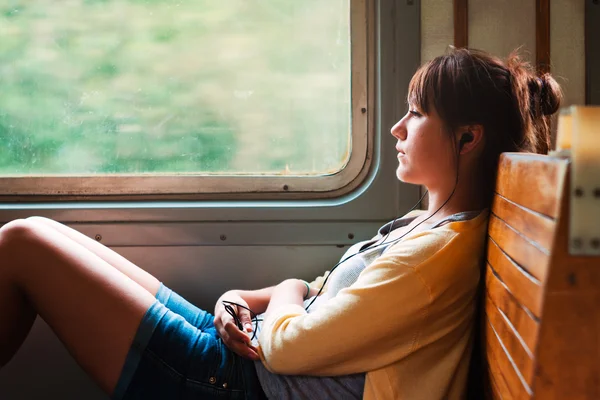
<point>512,103</point>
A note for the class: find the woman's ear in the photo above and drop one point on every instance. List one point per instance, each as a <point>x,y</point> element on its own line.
<point>468,138</point>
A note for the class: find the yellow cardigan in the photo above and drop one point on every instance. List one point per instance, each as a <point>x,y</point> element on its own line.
<point>407,321</point>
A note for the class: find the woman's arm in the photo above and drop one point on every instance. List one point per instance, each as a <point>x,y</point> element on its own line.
<point>372,323</point>
<point>257,300</point>
<point>290,291</point>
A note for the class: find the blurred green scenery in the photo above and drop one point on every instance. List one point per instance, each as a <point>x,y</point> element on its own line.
<point>174,86</point>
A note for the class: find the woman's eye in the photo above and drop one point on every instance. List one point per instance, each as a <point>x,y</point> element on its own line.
<point>415,113</point>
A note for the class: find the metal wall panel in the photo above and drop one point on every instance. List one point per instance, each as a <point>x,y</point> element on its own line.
<point>567,53</point>
<point>437,28</point>
<point>501,26</point>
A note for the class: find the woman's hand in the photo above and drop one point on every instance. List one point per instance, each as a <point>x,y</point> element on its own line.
<point>237,340</point>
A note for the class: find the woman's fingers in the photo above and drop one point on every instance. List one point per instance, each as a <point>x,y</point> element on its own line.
<point>235,334</point>
<point>238,341</point>
<point>245,319</point>
<point>244,350</point>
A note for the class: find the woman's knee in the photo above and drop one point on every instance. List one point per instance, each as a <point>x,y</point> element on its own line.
<point>41,220</point>
<point>18,231</point>
<point>25,227</point>
<point>17,226</point>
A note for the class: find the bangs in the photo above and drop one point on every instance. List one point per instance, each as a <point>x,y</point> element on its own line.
<point>441,86</point>
<point>422,86</point>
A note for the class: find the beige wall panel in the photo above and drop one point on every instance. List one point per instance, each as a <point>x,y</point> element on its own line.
<point>500,26</point>
<point>567,51</point>
<point>437,28</point>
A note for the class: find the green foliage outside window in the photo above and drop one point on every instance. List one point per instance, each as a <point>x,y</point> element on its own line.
<point>164,86</point>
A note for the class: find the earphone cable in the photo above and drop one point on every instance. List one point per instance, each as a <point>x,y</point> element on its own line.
<point>253,315</point>
<point>383,242</point>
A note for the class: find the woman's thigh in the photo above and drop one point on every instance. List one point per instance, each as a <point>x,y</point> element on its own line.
<point>140,276</point>
<point>93,308</point>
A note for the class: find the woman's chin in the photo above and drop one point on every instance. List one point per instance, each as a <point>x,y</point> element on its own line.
<point>404,177</point>
<point>401,175</point>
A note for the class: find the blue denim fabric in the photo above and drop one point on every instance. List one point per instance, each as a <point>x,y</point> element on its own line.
<point>177,354</point>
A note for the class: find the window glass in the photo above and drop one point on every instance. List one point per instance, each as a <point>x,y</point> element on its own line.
<point>173,86</point>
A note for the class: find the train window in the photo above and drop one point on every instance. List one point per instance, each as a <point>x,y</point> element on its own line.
<point>168,97</point>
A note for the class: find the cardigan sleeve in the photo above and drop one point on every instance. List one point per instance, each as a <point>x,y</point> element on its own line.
<point>370,324</point>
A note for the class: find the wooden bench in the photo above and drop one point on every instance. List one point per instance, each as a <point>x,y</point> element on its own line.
<point>540,306</point>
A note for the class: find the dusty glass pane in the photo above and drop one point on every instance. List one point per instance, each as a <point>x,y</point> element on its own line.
<point>164,86</point>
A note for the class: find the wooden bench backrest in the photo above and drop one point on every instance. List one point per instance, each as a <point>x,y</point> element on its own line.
<point>541,306</point>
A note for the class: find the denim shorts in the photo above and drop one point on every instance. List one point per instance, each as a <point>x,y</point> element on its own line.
<point>177,354</point>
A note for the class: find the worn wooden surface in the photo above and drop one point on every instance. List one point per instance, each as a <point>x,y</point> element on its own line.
<point>530,180</point>
<point>519,248</point>
<point>523,286</point>
<point>541,325</point>
<point>568,356</point>
<point>524,322</point>
<point>519,353</point>
<point>504,365</point>
<point>538,227</point>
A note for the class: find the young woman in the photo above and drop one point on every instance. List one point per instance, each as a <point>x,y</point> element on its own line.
<point>394,320</point>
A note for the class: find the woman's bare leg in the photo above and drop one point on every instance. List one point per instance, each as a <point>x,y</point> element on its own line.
<point>143,278</point>
<point>93,308</point>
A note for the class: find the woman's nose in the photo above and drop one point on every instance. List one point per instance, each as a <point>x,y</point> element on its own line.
<point>399,130</point>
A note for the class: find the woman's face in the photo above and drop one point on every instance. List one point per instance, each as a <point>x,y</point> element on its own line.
<point>425,150</point>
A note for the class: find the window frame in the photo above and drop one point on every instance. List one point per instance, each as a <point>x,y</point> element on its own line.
<point>239,186</point>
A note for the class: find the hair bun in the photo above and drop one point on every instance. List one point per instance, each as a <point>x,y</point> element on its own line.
<point>545,95</point>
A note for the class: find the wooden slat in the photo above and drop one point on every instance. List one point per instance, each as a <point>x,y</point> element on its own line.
<point>542,35</point>
<point>461,23</point>
<point>533,181</point>
<point>512,341</point>
<point>523,322</point>
<point>517,388</point>
<point>499,386</point>
<point>535,226</point>
<point>524,287</point>
<point>529,257</point>
<point>499,391</point>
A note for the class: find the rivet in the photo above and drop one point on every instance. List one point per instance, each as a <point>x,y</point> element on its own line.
<point>351,236</point>
<point>212,379</point>
<point>285,187</point>
<point>577,243</point>
<point>225,385</point>
<point>597,192</point>
<point>223,237</point>
<point>578,192</point>
<point>98,237</point>
<point>595,243</point>
<point>363,110</point>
